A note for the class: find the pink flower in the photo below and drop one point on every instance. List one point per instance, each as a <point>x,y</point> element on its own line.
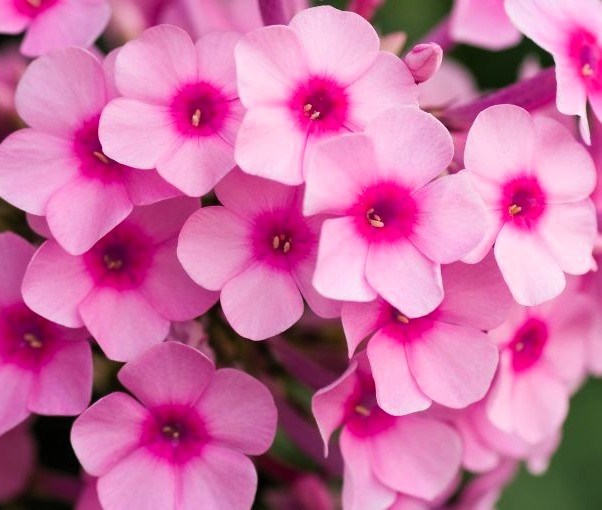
<point>57,167</point>
<point>184,441</point>
<point>379,461</point>
<point>570,31</point>
<point>54,24</point>
<point>179,111</point>
<point>308,492</point>
<point>444,356</point>
<point>483,23</point>
<point>44,368</point>
<point>259,251</point>
<point>483,492</point>
<point>18,454</point>
<point>542,361</point>
<point>396,223</point>
<point>536,180</point>
<point>321,76</point>
<point>127,288</point>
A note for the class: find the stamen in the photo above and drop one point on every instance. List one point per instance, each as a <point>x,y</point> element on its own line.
<point>307,108</point>
<point>360,409</point>
<point>275,242</point>
<point>196,118</point>
<point>101,157</point>
<point>519,346</point>
<point>170,431</point>
<point>374,219</point>
<point>281,242</point>
<point>35,3</point>
<point>315,116</point>
<point>587,70</point>
<point>402,318</point>
<point>287,247</point>
<point>111,263</point>
<point>32,340</point>
<point>514,209</point>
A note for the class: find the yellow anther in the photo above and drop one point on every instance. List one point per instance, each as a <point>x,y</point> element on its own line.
<point>275,242</point>
<point>35,3</point>
<point>168,430</point>
<point>196,118</point>
<point>360,409</point>
<point>111,263</point>
<point>32,340</point>
<point>514,209</point>
<point>402,318</point>
<point>101,157</point>
<point>587,70</point>
<point>315,116</point>
<point>287,247</point>
<point>307,108</point>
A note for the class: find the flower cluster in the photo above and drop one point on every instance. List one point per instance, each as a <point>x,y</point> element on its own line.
<point>421,258</point>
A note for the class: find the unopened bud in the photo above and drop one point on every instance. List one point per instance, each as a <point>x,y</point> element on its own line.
<point>424,60</point>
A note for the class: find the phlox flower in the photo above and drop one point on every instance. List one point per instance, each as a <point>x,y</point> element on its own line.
<point>535,180</point>
<point>56,167</point>
<point>127,288</point>
<point>383,454</point>
<point>180,110</point>
<point>183,440</point>
<point>542,362</point>
<point>396,222</point>
<point>18,454</point>
<point>259,251</point>
<point>444,356</point>
<point>54,24</point>
<point>320,76</point>
<point>570,31</point>
<point>44,368</point>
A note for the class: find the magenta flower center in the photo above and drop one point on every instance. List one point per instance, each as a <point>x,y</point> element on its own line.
<point>200,109</point>
<point>321,105</point>
<point>587,55</point>
<point>33,7</point>
<point>528,344</point>
<point>523,201</point>
<point>363,415</point>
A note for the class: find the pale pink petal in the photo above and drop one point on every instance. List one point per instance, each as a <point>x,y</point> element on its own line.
<point>363,319</point>
<point>303,273</point>
<point>39,225</point>
<point>221,479</point>
<point>477,455</point>
<point>500,143</point>
<point>453,365</point>
<point>67,23</point>
<point>12,21</point>
<point>15,253</point>
<point>453,84</point>
<point>495,223</point>
<point>153,66</point>
<point>571,95</point>
<point>108,432</point>
<point>146,187</point>
<point>404,277</point>
<point>270,63</point>
<point>531,272</point>
<point>123,322</point>
<point>451,219</point>
<point>60,91</point>
<point>386,84</point>
<point>324,35</point>
<point>417,456</point>
<point>214,246</point>
<point>396,390</point>
<point>16,384</point>
<point>140,480</point>
<point>262,150</point>
<point>398,133</point>
<point>33,165</point>
<point>108,66</point>
<point>56,283</point>
<point>261,302</point>
<point>63,386</point>
<point>85,210</point>
<point>569,232</point>
<point>168,373</point>
<point>346,163</point>
<point>342,256</point>
<point>239,412</point>
<point>137,134</point>
<point>215,55</point>
<point>500,400</point>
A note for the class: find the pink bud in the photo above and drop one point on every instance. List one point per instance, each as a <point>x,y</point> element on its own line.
<point>424,61</point>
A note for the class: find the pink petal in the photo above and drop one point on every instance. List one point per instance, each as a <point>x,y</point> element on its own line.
<point>152,67</point>
<point>55,284</point>
<point>451,219</point>
<point>362,319</point>
<point>417,456</point>
<point>261,302</point>
<point>404,277</point>
<point>137,134</point>
<point>412,147</point>
<point>396,390</point>
<point>342,256</point>
<point>67,23</point>
<point>63,386</point>
<point>15,384</point>
<point>123,322</point>
<point>346,163</point>
<point>85,210</point>
<point>500,143</point>
<point>15,253</point>
<point>39,225</point>
<point>34,165</point>
<point>168,373</point>
<point>500,399</point>
<point>532,274</point>
<point>215,55</point>
<point>108,432</point>
<point>453,365</point>
<point>214,247</point>
<point>146,187</point>
<point>60,91</point>
<point>323,307</point>
<point>239,412</point>
<point>221,479</point>
<point>270,63</point>
<point>571,95</point>
<point>324,34</point>
<point>569,231</point>
<point>12,21</point>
